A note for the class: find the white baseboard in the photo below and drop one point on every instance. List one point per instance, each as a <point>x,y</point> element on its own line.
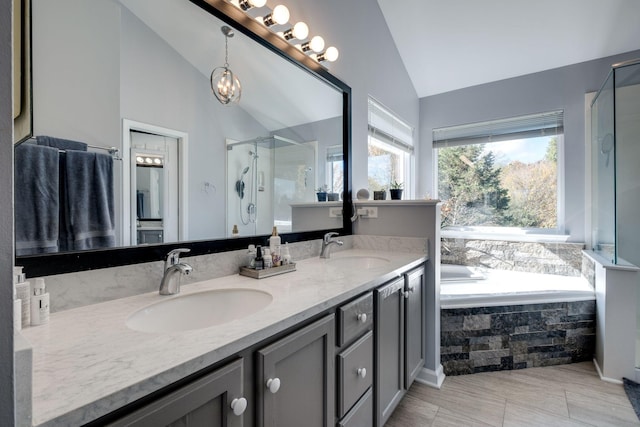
<point>431,378</point>
<point>607,379</point>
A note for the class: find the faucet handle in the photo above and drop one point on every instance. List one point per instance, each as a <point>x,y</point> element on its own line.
<point>328,236</point>
<point>173,257</point>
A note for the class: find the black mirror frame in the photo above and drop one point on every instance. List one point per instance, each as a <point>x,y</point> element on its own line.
<point>68,262</point>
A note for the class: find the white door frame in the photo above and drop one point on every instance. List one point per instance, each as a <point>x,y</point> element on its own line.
<point>128,228</point>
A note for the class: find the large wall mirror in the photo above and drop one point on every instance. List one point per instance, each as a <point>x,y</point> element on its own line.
<point>122,99</point>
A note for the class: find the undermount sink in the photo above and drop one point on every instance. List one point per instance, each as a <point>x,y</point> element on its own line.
<point>198,310</point>
<point>358,261</point>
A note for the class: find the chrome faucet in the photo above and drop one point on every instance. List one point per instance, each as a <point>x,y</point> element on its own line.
<point>327,242</point>
<point>173,271</point>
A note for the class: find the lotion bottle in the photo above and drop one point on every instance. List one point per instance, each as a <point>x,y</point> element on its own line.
<point>23,292</point>
<point>17,311</point>
<point>286,255</point>
<point>266,256</point>
<point>39,304</point>
<point>274,240</point>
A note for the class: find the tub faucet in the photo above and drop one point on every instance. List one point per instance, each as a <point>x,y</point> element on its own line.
<point>327,242</point>
<point>173,271</point>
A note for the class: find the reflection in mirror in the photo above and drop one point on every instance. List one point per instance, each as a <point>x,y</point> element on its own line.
<point>100,65</point>
<point>268,175</point>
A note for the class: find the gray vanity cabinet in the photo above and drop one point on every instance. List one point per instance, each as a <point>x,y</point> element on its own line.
<point>415,333</point>
<point>389,345</point>
<point>296,378</point>
<point>207,401</point>
<point>400,341</point>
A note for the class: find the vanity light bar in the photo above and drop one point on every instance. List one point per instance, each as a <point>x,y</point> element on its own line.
<point>297,34</point>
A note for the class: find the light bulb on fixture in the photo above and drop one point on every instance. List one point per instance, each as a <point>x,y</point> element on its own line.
<point>279,15</point>
<point>224,83</point>
<point>250,4</point>
<point>316,44</point>
<point>331,54</point>
<point>299,31</point>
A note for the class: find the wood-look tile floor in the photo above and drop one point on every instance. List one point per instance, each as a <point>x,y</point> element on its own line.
<point>566,395</point>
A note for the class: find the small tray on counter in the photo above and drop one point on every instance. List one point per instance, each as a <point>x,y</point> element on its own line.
<point>267,272</point>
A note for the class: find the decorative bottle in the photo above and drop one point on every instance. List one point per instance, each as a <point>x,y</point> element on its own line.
<point>39,304</point>
<point>259,261</point>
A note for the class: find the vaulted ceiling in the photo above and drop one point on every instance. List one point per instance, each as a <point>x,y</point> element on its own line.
<point>452,44</point>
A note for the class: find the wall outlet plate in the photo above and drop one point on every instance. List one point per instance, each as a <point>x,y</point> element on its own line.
<point>335,212</point>
<point>368,212</point>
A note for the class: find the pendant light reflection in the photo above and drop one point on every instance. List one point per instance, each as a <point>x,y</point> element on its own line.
<point>224,83</point>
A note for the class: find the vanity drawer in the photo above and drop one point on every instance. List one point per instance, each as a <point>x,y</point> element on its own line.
<point>355,318</point>
<point>355,372</point>
<point>361,414</point>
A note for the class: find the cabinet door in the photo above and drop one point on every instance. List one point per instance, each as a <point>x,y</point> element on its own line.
<point>415,308</point>
<point>389,344</point>
<point>296,378</point>
<point>205,402</point>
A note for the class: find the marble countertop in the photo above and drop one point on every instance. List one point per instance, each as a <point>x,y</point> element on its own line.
<point>87,362</point>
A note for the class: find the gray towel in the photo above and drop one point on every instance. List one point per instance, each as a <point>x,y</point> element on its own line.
<point>36,201</point>
<point>62,144</point>
<point>89,211</point>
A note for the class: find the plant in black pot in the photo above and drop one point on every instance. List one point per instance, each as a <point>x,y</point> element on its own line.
<point>321,193</point>
<point>396,190</point>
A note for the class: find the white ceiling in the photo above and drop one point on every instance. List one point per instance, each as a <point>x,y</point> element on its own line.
<point>452,44</point>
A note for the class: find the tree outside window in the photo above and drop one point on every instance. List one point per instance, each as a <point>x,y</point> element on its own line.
<point>505,184</point>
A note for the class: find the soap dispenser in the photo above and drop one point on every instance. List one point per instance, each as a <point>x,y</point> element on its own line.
<point>39,304</point>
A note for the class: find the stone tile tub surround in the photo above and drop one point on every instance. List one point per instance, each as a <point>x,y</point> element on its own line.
<point>564,259</point>
<point>481,339</point>
<point>86,362</point>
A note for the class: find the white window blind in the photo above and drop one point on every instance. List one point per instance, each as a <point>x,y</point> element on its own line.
<point>529,126</point>
<point>334,153</point>
<point>386,127</point>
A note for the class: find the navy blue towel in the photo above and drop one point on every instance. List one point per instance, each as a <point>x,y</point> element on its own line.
<point>62,144</point>
<point>89,208</point>
<point>37,200</point>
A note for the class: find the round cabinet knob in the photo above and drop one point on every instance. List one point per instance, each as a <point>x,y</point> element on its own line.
<point>412,289</point>
<point>239,406</point>
<point>406,294</point>
<point>273,384</point>
<point>362,317</point>
<point>362,372</point>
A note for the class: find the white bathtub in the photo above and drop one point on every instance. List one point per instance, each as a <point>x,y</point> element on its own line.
<point>463,287</point>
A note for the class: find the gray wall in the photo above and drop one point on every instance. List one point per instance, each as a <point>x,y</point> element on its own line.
<point>7,413</point>
<point>368,61</point>
<point>561,88</point>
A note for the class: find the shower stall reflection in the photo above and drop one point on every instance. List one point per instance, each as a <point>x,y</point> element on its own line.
<point>265,176</point>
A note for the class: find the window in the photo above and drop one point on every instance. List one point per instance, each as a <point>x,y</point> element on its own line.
<point>502,173</point>
<point>335,169</point>
<point>390,149</point>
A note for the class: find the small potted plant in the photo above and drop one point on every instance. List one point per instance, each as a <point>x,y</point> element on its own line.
<point>380,194</point>
<point>396,190</point>
<point>321,193</point>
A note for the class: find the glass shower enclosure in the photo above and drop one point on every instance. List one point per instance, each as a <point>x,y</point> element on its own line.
<point>615,155</point>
